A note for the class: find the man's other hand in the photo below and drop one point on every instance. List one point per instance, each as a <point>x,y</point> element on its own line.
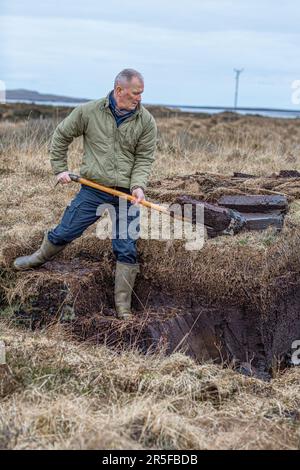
<point>139,195</point>
<point>63,177</point>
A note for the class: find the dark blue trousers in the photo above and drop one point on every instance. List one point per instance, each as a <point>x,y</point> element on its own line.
<point>87,207</point>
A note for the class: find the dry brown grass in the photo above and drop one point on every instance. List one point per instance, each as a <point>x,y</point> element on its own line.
<point>30,203</point>
<point>64,395</point>
<point>59,394</point>
<point>226,143</point>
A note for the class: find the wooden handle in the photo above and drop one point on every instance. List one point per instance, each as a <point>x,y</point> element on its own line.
<point>129,197</point>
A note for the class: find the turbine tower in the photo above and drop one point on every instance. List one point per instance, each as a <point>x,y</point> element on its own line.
<point>237,77</point>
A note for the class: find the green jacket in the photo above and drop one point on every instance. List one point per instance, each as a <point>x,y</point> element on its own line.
<point>113,156</point>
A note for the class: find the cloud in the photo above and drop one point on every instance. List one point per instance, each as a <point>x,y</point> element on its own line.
<point>179,64</point>
<point>190,15</point>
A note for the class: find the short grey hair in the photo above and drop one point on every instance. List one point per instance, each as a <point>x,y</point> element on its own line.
<point>126,75</point>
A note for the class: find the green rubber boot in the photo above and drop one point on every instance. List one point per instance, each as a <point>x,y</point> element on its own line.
<point>46,252</point>
<point>124,282</point>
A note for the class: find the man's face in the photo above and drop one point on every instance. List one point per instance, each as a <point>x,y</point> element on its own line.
<point>129,96</point>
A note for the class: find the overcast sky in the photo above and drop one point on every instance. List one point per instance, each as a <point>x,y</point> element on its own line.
<point>186,49</point>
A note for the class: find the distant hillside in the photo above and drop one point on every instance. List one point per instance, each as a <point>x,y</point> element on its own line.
<point>29,95</point>
<point>60,109</point>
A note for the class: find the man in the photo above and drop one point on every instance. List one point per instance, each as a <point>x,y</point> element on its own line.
<point>119,137</point>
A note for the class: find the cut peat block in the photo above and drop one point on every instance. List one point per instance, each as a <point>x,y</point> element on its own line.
<point>260,212</point>
<point>215,217</point>
<point>289,174</point>
<point>255,203</point>
<point>219,220</point>
<point>236,174</point>
<point>261,221</point>
<point>227,303</point>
